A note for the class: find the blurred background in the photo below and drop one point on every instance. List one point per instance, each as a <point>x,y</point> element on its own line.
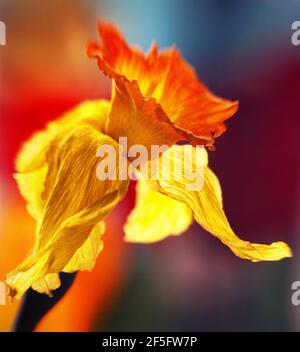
<point>241,50</point>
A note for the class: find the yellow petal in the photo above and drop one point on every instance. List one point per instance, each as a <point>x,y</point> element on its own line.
<point>85,257</point>
<point>76,201</point>
<point>49,283</point>
<point>155,216</point>
<point>31,163</point>
<point>206,204</point>
<point>33,153</point>
<point>31,186</point>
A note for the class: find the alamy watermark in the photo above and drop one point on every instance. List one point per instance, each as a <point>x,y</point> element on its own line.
<point>2,293</point>
<point>295,298</point>
<point>2,33</point>
<point>295,39</point>
<point>183,163</point>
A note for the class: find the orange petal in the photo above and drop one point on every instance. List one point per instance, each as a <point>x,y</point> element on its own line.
<point>140,119</point>
<point>188,102</point>
<point>197,114</point>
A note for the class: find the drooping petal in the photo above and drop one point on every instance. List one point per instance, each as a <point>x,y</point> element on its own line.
<point>198,114</point>
<point>85,257</point>
<point>31,164</point>
<point>47,284</point>
<point>74,202</point>
<point>206,204</point>
<point>31,187</point>
<point>155,216</point>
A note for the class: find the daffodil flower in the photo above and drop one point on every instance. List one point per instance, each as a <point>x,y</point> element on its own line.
<point>156,100</point>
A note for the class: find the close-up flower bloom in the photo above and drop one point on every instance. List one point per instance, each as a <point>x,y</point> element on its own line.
<point>156,99</point>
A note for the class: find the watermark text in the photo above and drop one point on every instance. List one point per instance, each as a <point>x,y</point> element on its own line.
<point>296,33</point>
<point>2,33</point>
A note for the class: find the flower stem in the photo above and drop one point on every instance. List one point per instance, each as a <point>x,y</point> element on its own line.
<point>36,305</point>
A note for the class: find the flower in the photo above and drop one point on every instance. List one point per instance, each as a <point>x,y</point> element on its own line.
<point>156,100</point>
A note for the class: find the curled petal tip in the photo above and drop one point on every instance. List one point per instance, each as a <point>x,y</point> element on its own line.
<point>262,252</point>
<point>91,48</point>
<point>283,248</point>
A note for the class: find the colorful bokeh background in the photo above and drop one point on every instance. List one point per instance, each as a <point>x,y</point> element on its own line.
<point>241,50</point>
